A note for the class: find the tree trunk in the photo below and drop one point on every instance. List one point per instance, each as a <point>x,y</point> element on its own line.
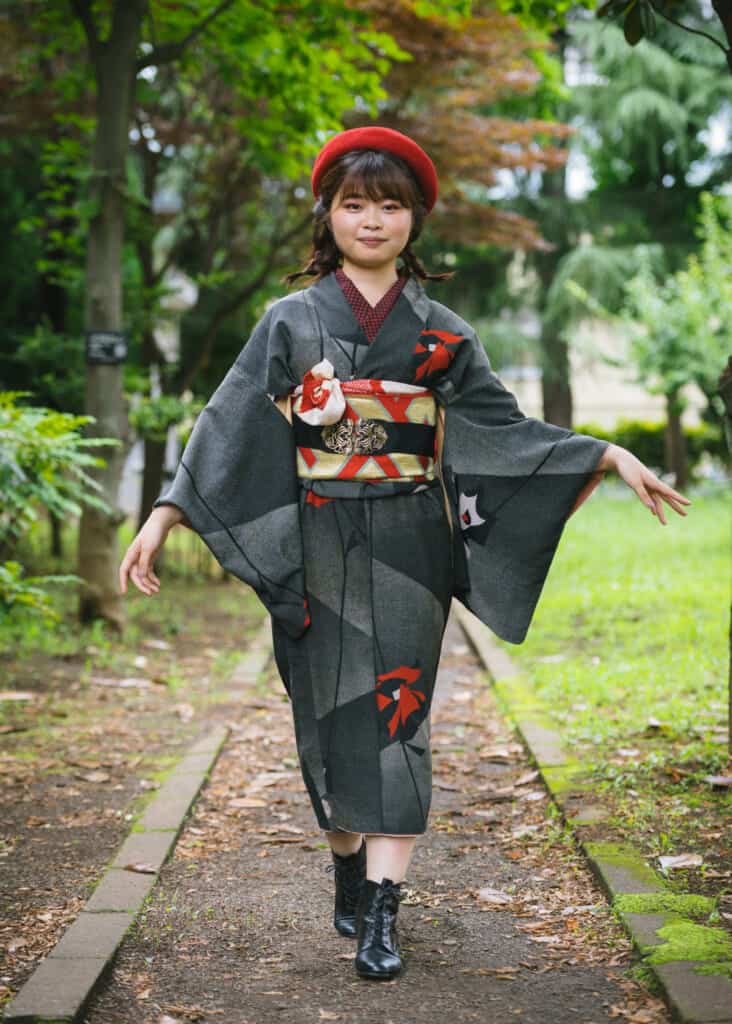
<point>555,381</point>
<point>152,477</point>
<point>556,385</point>
<point>114,62</point>
<point>56,545</point>
<point>677,460</point>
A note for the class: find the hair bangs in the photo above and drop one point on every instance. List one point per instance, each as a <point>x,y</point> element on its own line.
<point>378,175</point>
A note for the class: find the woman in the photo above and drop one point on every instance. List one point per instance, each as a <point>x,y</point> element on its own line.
<point>355,389</point>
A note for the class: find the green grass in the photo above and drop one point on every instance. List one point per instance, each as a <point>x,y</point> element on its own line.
<point>633,620</point>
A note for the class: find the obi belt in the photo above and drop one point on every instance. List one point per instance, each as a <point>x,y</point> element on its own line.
<point>363,429</point>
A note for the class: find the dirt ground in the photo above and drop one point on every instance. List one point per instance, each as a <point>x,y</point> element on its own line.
<point>500,920</point>
<point>85,748</point>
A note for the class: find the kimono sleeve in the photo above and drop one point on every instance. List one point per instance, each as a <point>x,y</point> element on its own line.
<point>512,482</point>
<point>237,484</point>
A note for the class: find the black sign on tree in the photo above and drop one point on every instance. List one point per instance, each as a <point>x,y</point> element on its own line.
<point>106,347</point>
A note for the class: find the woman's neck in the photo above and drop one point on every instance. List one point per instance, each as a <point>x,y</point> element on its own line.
<point>373,283</point>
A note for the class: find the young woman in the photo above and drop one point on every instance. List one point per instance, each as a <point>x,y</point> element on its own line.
<point>360,465</point>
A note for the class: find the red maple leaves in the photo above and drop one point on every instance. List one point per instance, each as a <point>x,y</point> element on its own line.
<point>442,352</point>
<point>406,699</point>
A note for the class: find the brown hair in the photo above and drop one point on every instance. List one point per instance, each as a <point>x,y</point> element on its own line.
<point>378,174</point>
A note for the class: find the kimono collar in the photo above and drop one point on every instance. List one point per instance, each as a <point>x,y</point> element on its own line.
<point>408,314</point>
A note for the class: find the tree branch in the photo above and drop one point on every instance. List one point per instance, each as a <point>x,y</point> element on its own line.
<point>165,53</point>
<point>724,14</point>
<point>236,300</point>
<point>688,28</point>
<point>82,10</point>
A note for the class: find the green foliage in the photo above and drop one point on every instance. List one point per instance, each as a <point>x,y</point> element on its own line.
<point>679,329</point>
<point>152,417</point>
<point>640,18</point>
<point>450,10</point>
<point>44,464</point>
<point>539,13</point>
<point>54,363</point>
<point>648,109</point>
<point>635,19</point>
<point>62,214</point>
<point>646,440</point>
<point>22,596</point>
<point>602,271</point>
<point>231,104</point>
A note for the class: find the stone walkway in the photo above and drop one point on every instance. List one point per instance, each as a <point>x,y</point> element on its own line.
<point>501,918</point>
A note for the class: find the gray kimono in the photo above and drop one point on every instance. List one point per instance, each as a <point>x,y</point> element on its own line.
<point>358,579</point>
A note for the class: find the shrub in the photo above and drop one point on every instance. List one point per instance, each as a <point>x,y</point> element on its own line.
<point>44,462</point>
<point>645,439</point>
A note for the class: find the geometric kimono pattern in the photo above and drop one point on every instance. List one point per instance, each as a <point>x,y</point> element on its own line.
<point>356,561</point>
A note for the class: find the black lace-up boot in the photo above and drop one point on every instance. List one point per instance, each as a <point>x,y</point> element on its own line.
<point>350,874</point>
<point>378,953</point>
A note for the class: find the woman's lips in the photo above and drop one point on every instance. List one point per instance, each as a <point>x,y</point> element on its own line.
<point>372,241</point>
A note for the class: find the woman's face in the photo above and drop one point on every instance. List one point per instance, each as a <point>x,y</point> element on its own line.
<point>356,220</point>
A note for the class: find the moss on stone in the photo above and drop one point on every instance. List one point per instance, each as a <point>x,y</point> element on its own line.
<point>688,940</point>
<point>573,775</point>
<point>518,696</point>
<point>684,904</point>
<point>625,857</point>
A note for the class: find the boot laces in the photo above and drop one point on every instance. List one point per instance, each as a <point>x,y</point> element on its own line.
<point>349,876</point>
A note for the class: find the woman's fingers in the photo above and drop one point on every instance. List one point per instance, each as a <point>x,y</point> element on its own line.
<point>651,491</point>
<point>136,566</point>
<point>644,496</point>
<point>675,505</point>
<point>126,564</point>
<point>668,493</point>
<point>145,570</point>
<point>135,577</point>
<point>660,511</point>
<point>660,492</point>
<point>140,581</point>
<point>152,584</point>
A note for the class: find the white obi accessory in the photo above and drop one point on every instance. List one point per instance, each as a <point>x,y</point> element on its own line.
<point>322,400</point>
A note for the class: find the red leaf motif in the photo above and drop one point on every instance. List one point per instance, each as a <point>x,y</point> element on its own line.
<point>440,355</point>
<point>407,701</point>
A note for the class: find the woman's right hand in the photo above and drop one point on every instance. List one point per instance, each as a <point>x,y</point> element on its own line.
<point>140,555</point>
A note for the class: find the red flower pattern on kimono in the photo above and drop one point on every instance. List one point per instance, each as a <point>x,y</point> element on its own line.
<point>441,352</point>
<point>406,699</point>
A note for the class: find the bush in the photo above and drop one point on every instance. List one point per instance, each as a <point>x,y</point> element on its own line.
<point>27,595</point>
<point>645,439</point>
<point>43,465</point>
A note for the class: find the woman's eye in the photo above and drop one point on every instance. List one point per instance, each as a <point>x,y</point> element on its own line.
<point>353,205</point>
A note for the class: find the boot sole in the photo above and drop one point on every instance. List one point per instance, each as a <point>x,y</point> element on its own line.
<point>381,976</point>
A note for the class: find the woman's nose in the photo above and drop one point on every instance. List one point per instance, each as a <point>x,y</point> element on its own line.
<point>372,215</point>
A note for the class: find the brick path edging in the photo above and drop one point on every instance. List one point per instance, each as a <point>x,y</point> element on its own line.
<point>61,986</point>
<point>621,871</point>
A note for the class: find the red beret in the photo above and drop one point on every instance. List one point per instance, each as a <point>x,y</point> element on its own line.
<point>374,137</point>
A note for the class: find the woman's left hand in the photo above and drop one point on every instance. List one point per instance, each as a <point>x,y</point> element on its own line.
<point>651,491</point>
